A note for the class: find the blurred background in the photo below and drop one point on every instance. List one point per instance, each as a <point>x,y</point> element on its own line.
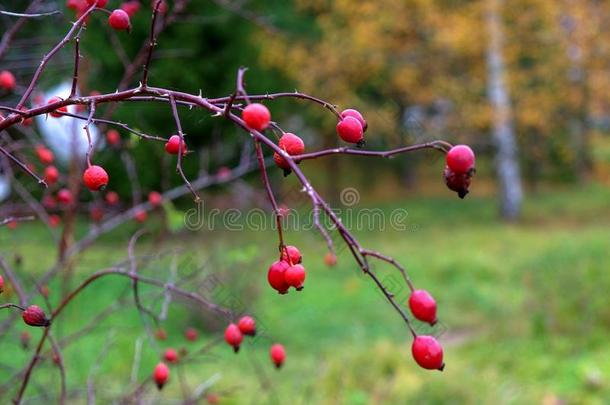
<point>519,268</point>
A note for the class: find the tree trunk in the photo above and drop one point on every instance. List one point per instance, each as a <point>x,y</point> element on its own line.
<point>507,165</point>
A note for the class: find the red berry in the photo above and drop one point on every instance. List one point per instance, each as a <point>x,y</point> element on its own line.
<point>160,334</point>
<point>131,7</point>
<point>1,284</point>
<point>292,145</point>
<point>293,256</point>
<point>247,325</point>
<point>95,178</point>
<point>460,159</point>
<point>112,198</point>
<point>428,353</point>
<point>97,213</point>
<point>100,3</point>
<point>190,334</point>
<point>423,306</point>
<point>330,259</point>
<point>56,113</point>
<point>275,276</point>
<point>173,145</point>
<point>458,182</point>
<point>295,276</point>
<point>54,220</point>
<point>350,112</point>
<point>233,336</point>
<point>113,137</point>
<point>51,174</point>
<point>155,199</point>
<point>171,355</point>
<point>64,196</point>
<point>350,130</point>
<point>161,375</point>
<point>256,116</point>
<point>45,155</point>
<point>278,354</point>
<point>140,216</point>
<point>119,20</point>
<point>34,316</point>
<point>12,224</point>
<point>7,80</point>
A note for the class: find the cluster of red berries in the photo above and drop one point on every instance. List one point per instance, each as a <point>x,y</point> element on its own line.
<point>351,128</point>
<point>234,335</point>
<point>288,271</point>
<point>161,371</point>
<point>459,169</point>
<point>426,350</point>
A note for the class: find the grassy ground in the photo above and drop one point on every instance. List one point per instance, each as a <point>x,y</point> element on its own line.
<point>523,308</point>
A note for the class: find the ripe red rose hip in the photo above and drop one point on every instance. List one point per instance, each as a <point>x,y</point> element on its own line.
<point>428,353</point>
<point>330,259</point>
<point>7,80</point>
<point>140,216</point>
<point>292,255</point>
<point>423,306</point>
<point>292,145</point>
<point>95,178</point>
<point>155,198</point>
<point>1,284</point>
<point>34,316</point>
<point>112,198</point>
<point>247,325</point>
<point>171,355</point>
<point>56,113</point>
<point>113,137</point>
<point>51,175</point>
<point>173,145</point>
<point>350,112</point>
<point>275,276</point>
<point>64,196</point>
<point>350,130</point>
<point>278,354</point>
<point>45,155</point>
<point>190,334</point>
<point>161,375</point>
<point>460,159</point>
<point>119,20</point>
<point>233,336</point>
<point>54,220</point>
<point>295,276</point>
<point>256,116</point>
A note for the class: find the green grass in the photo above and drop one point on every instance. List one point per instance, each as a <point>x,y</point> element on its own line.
<point>523,308</point>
